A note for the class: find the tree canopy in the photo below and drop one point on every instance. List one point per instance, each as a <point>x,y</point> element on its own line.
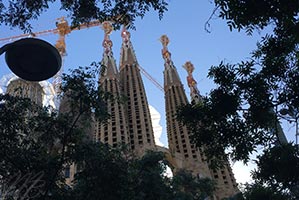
<point>39,140</point>
<point>39,145</point>
<point>277,168</point>
<point>258,191</point>
<point>19,14</point>
<point>243,111</point>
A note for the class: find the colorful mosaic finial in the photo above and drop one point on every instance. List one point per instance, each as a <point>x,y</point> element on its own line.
<point>164,40</point>
<point>107,27</point>
<point>107,43</point>
<point>194,92</point>
<point>165,53</point>
<point>189,67</point>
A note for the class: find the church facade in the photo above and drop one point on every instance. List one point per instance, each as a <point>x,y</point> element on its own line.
<point>131,124</point>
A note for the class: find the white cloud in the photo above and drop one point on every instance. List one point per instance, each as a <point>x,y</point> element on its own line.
<point>157,128</point>
<point>242,172</point>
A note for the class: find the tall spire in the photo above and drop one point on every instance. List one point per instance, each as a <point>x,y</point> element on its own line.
<point>138,115</point>
<point>127,55</point>
<point>178,134</point>
<point>170,73</point>
<point>114,131</point>
<point>194,92</point>
<point>108,62</point>
<point>226,183</point>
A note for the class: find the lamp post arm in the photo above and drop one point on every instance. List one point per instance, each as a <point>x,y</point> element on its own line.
<point>4,48</point>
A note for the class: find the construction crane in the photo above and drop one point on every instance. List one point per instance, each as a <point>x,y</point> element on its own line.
<point>62,29</point>
<point>149,77</point>
<point>60,23</point>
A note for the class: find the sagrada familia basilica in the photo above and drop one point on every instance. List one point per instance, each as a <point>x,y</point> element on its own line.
<point>130,123</point>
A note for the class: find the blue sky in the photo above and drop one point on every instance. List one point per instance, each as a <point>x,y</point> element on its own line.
<point>183,23</point>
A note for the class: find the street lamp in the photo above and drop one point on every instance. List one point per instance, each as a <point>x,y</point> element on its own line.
<point>32,59</point>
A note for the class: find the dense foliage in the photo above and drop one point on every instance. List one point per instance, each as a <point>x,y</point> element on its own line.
<point>38,146</point>
<point>243,113</point>
<point>258,191</point>
<point>38,140</point>
<point>276,176</point>
<point>187,186</point>
<point>108,173</point>
<point>19,13</point>
<point>277,168</point>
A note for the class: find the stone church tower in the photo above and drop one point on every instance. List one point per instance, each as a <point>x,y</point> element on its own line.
<point>114,131</point>
<point>130,121</point>
<point>26,89</point>
<point>226,182</point>
<point>180,146</point>
<point>178,135</point>
<point>141,136</point>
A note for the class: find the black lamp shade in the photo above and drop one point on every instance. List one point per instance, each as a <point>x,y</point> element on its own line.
<point>32,59</point>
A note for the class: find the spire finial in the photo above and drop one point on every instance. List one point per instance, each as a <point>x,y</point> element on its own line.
<point>194,92</point>
<point>107,27</point>
<point>165,53</point>
<point>127,55</point>
<point>189,67</point>
<point>107,43</point>
<point>125,34</point>
<point>164,40</point>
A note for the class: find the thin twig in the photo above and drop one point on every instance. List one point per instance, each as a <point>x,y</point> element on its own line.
<point>207,23</point>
